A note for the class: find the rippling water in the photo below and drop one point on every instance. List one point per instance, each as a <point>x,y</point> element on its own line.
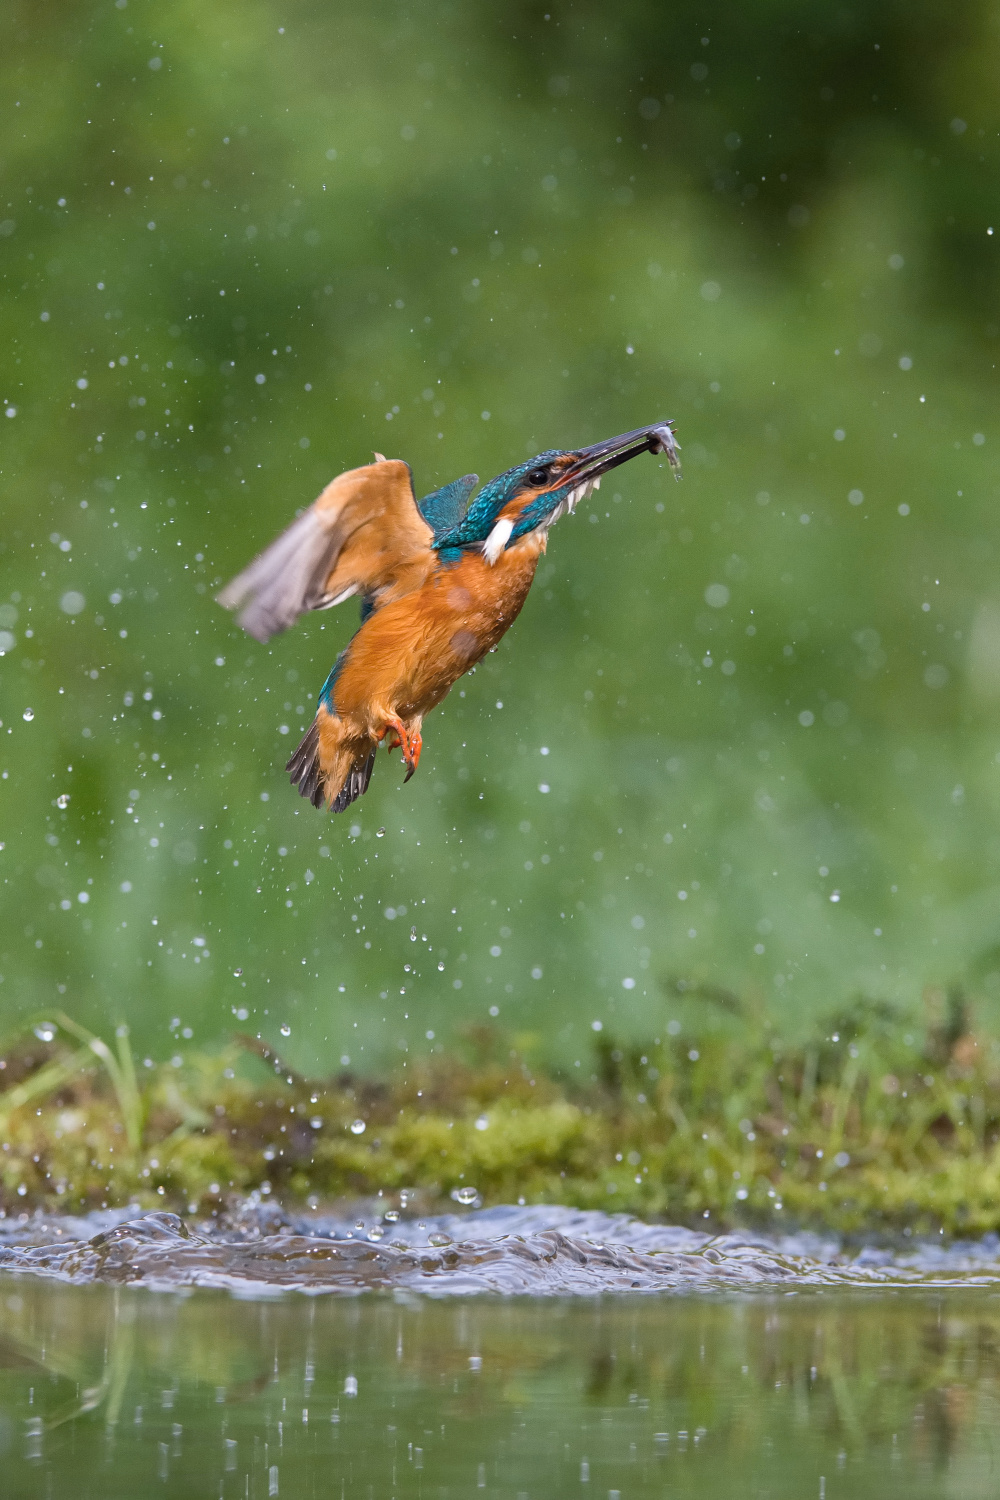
<point>510,1250</point>
<point>126,1368</point>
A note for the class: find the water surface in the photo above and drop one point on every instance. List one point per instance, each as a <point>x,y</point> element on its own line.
<point>803,1374</point>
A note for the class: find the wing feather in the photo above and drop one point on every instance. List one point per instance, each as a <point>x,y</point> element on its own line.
<point>445,508</point>
<point>363,535</point>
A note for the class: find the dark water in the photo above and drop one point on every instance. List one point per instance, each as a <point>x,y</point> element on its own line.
<point>791,1374</point>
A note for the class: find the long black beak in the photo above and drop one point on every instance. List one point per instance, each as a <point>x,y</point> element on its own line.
<point>600,458</point>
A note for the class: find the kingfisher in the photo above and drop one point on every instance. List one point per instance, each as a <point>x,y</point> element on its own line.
<point>440,582</point>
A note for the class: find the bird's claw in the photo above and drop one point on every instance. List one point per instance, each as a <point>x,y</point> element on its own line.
<point>410,745</point>
<point>412,754</point>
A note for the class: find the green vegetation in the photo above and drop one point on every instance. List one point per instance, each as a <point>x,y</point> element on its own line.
<point>236,242</point>
<point>744,737</point>
<point>858,1130</point>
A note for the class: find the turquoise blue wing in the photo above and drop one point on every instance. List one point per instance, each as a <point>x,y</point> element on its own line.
<point>444,509</point>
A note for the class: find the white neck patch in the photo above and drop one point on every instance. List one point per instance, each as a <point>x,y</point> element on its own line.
<point>497,540</point>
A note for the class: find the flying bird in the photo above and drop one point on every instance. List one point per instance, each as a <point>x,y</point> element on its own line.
<point>440,581</point>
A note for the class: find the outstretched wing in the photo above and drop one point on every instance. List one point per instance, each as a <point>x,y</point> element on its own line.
<point>364,535</point>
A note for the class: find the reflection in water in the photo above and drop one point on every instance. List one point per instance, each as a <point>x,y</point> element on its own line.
<point>114,1392</point>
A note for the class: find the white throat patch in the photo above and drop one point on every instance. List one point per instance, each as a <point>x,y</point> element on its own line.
<point>497,540</point>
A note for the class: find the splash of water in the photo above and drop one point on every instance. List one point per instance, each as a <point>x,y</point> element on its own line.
<point>536,1250</point>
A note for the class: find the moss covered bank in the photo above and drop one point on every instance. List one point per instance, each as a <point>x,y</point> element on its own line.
<point>859,1129</point>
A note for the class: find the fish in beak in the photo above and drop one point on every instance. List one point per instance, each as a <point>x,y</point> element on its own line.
<point>591,464</point>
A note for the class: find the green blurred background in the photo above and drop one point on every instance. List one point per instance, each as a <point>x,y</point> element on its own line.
<point>746,734</point>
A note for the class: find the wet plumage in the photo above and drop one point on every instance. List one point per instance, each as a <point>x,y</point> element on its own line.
<point>440,582</point>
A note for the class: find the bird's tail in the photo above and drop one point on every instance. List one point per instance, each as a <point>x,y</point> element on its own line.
<point>328,768</point>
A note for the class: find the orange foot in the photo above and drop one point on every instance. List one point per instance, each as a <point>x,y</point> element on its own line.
<point>410,744</point>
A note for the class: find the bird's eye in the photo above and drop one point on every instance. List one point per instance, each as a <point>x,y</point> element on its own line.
<point>538,477</point>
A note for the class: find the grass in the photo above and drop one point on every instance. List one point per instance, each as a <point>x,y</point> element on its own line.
<point>856,1130</point>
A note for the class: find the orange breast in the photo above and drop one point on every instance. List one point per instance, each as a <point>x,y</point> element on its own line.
<point>410,652</point>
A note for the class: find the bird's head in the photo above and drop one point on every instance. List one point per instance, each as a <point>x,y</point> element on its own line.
<point>533,495</point>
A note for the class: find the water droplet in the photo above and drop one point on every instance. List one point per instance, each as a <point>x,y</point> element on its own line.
<point>380,833</point>
<point>45,1031</point>
<point>465,1195</point>
<point>375,1233</point>
<point>237,973</point>
<point>437,1239</point>
<point>358,1127</point>
<point>286,1030</point>
<point>62,800</point>
<point>391,1216</point>
<point>483,1123</point>
<point>28,715</point>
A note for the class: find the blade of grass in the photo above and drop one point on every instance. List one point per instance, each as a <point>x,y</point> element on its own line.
<point>46,1081</point>
<point>848,1083</point>
<point>122,1075</point>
